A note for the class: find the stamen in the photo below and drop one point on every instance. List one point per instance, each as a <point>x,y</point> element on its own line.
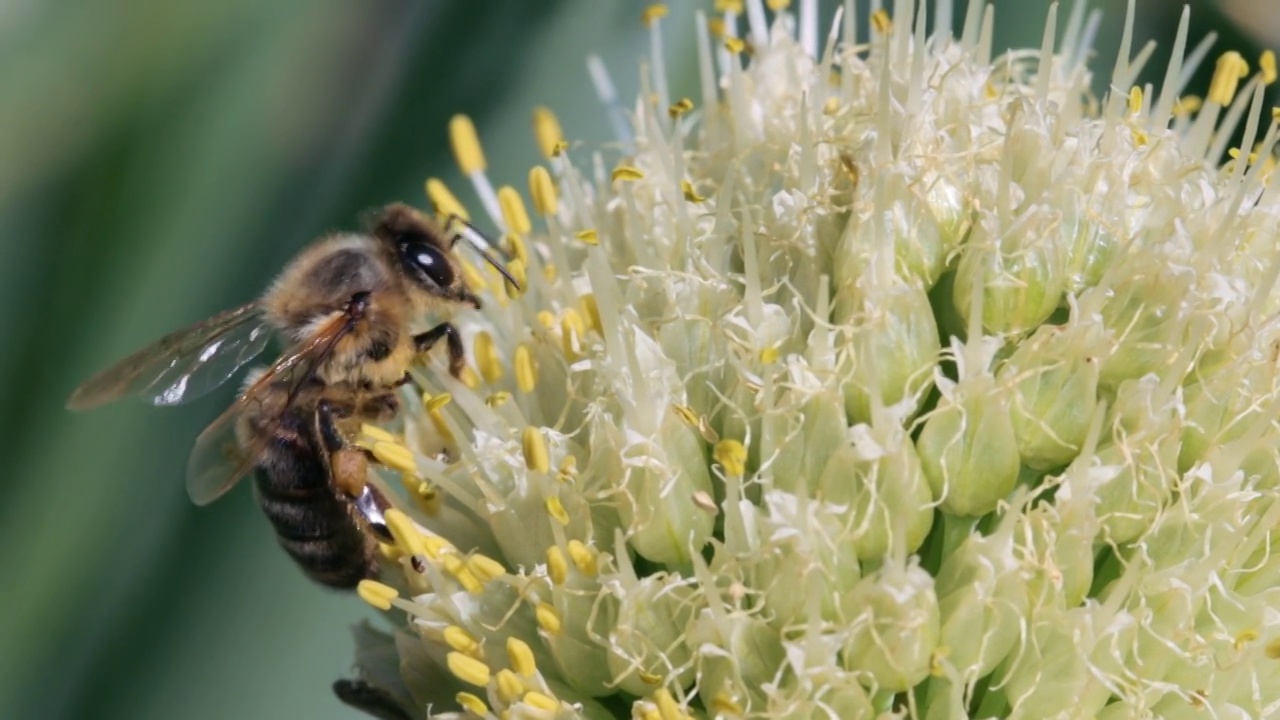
<point>521,657</point>
<point>543,191</point>
<point>584,558</point>
<point>444,202</point>
<point>536,457</point>
<point>486,355</point>
<point>457,567</point>
<point>509,686</point>
<point>462,641</point>
<point>470,157</point>
<point>405,533</point>
<point>513,211</point>
<point>547,132</point>
<point>468,669</point>
<point>526,376</point>
<point>1231,67</point>
<point>377,594</point>
<point>485,568</point>
<point>591,311</point>
<point>572,330</point>
<point>627,173</point>
<point>690,193</point>
<point>556,510</point>
<point>588,236</point>
<point>668,709</point>
<point>548,619</point>
<point>679,107</point>
<point>732,456</point>
<point>472,704</point>
<point>394,455</point>
<point>1267,64</point>
<point>557,567</point>
<point>541,702</point>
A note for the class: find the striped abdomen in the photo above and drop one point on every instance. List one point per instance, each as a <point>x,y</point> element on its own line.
<point>312,522</point>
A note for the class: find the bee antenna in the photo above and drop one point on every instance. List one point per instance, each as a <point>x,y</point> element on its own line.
<point>464,230</point>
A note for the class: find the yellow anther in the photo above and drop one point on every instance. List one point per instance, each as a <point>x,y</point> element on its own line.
<point>377,594</point>
<point>1231,66</point>
<point>521,657</point>
<point>526,375</point>
<point>778,5</point>
<point>627,173</point>
<point>486,354</point>
<point>437,402</point>
<point>457,567</point>
<point>732,456</point>
<point>468,669</point>
<point>690,193</point>
<point>831,106</point>
<point>1186,105</point>
<point>435,546</point>
<point>591,311</point>
<point>513,210</point>
<point>464,642</point>
<point>649,678</point>
<point>546,319</point>
<point>549,272</point>
<point>1245,637</point>
<point>649,712</point>
<point>543,191</point>
<point>375,434</point>
<point>443,201</point>
<point>687,414</point>
<point>881,21</point>
<point>1272,650</point>
<point>653,13</point>
<point>517,269</point>
<point>733,6</point>
<point>568,469</point>
<point>667,706</point>
<point>556,510</point>
<point>715,26</point>
<point>466,146</point>
<point>1267,64</point>
<point>509,686</point>
<point>390,552</point>
<point>394,455</point>
<point>471,275</point>
<point>1135,100</point>
<point>680,107</point>
<point>722,703</point>
<point>497,399</point>
<point>536,699</point>
<point>518,249</point>
<point>469,378</point>
<point>734,45</point>
<point>534,445</point>
<point>405,532</point>
<point>572,330</point>
<point>546,130</point>
<point>547,617</point>
<point>557,567</point>
<point>769,355</point>
<point>472,704</point>
<point>485,568</point>
<point>588,236</point>
<point>584,558</point>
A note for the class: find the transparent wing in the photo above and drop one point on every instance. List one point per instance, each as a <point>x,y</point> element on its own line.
<point>183,365</point>
<point>220,458</point>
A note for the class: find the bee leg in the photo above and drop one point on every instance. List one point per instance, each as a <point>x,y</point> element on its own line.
<point>423,342</point>
<point>349,472</point>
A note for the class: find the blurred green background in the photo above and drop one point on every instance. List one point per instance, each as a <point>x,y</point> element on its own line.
<point>158,162</point>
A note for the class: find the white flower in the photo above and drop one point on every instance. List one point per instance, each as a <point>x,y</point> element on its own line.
<point>884,380</point>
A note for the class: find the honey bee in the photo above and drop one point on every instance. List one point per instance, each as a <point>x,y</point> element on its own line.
<point>344,308</point>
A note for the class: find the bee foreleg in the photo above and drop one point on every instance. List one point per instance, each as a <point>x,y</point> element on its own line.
<point>423,342</point>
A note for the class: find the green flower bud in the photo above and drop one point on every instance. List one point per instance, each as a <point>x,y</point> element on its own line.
<point>968,449</point>
<point>805,440</point>
<point>893,635</point>
<point>741,654</point>
<point>1144,314</point>
<point>1020,270</point>
<point>892,345</point>
<point>1138,462</point>
<point>661,498</point>
<point>651,636</point>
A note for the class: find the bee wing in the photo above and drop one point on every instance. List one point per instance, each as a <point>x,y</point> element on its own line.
<point>219,459</point>
<point>183,365</point>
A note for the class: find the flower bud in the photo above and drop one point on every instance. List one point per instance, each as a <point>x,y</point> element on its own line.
<point>1021,271</point>
<point>968,449</point>
<point>738,654</point>
<point>893,635</point>
<point>651,637</point>
<point>1144,313</point>
<point>982,599</point>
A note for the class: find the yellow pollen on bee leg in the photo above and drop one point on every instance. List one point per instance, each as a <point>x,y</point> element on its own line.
<point>406,534</point>
<point>557,567</point>
<point>1231,66</point>
<point>653,13</point>
<point>509,686</point>
<point>543,191</point>
<point>486,354</point>
<point>466,145</point>
<point>377,594</point>
<point>472,704</point>
<point>464,642</point>
<point>534,446</point>
<point>547,132</point>
<point>444,201</point>
<point>584,558</point>
<point>627,173</point>
<point>732,456</point>
<point>1267,64</point>
<point>467,669</point>
<point>526,375</point>
<point>513,210</point>
<point>521,657</point>
<point>547,617</point>
<point>535,699</point>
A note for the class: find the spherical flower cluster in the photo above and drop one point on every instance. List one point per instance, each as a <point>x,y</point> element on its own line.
<point>880,380</point>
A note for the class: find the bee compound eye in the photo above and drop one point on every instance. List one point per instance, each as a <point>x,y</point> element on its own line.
<point>430,262</point>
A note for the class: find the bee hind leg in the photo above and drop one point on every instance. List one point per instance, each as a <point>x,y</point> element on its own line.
<point>423,342</point>
<point>349,472</point>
